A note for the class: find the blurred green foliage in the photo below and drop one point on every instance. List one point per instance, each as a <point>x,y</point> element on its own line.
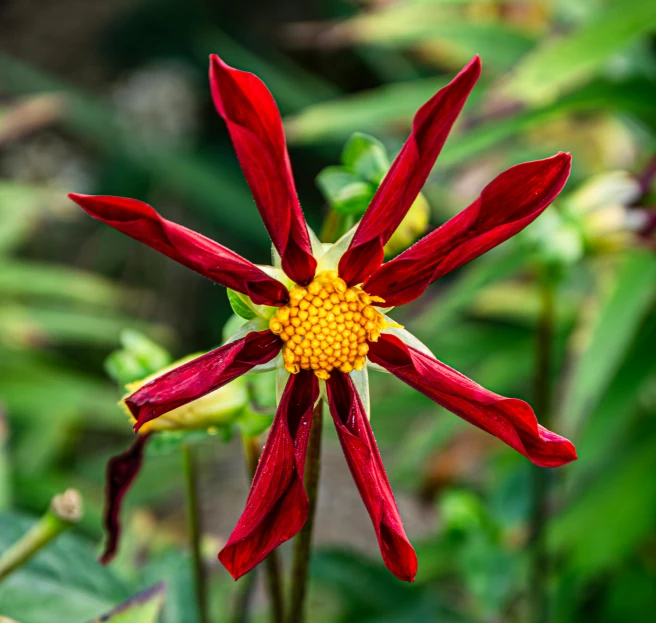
<point>558,75</point>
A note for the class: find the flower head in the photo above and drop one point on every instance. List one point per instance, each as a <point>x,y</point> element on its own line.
<point>319,312</point>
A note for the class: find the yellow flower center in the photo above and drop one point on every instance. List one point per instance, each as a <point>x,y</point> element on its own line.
<point>327,326</point>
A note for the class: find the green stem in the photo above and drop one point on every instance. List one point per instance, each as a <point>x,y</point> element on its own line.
<point>190,467</point>
<point>244,598</point>
<point>542,477</point>
<point>272,562</point>
<point>303,542</point>
<point>64,512</point>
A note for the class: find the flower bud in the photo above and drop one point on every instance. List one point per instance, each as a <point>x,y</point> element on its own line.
<point>411,228</point>
<point>214,409</point>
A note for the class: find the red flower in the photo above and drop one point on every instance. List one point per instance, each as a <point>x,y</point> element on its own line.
<point>317,316</point>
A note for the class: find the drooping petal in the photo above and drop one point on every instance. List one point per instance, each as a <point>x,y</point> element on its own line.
<point>208,258</point>
<point>407,175</point>
<point>509,419</point>
<point>277,504</point>
<point>508,204</point>
<point>254,124</point>
<point>202,375</point>
<point>363,458</point>
<point>121,471</point>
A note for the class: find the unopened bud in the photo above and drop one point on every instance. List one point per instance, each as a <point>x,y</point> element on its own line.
<point>411,228</point>
<point>67,506</point>
<point>214,409</point>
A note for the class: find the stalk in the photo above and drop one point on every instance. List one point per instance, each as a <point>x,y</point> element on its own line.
<point>542,477</point>
<point>272,562</point>
<point>303,541</point>
<point>190,469</point>
<point>64,512</point>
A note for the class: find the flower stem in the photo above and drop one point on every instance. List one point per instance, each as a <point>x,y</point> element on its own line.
<point>303,542</point>
<point>542,477</point>
<point>64,512</point>
<point>272,562</point>
<point>189,460</point>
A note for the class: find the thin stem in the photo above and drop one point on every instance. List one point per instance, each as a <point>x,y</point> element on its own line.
<point>303,541</point>
<point>189,460</point>
<point>64,512</point>
<point>272,562</point>
<point>542,477</point>
<point>332,225</point>
<point>245,598</point>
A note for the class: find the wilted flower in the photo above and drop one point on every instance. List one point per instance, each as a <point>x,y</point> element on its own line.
<point>319,312</point>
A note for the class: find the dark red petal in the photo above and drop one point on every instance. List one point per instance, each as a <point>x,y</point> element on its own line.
<point>363,458</point>
<point>121,471</point>
<point>254,124</point>
<point>509,419</point>
<point>208,258</point>
<point>508,204</point>
<point>201,376</point>
<point>408,174</point>
<point>277,504</point>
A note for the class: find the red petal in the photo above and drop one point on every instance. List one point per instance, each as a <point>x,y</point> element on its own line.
<point>507,205</point>
<point>363,458</point>
<point>408,174</point>
<point>277,504</point>
<point>254,124</point>
<point>208,258</point>
<point>121,471</point>
<point>509,419</point>
<point>201,376</point>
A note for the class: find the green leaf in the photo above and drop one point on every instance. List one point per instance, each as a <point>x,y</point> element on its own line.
<point>139,358</point>
<point>62,582</point>
<point>239,305</point>
<point>457,38</point>
<point>615,328</point>
<point>354,200</point>
<point>18,213</point>
<point>334,120</point>
<point>635,97</point>
<point>31,279</point>
<point>559,64</point>
<point>366,156</point>
<point>612,515</point>
<point>174,568</point>
<point>612,422</point>
<point>333,180</point>
<point>142,608</point>
<point>346,192</point>
<point>369,593</point>
<point>252,424</point>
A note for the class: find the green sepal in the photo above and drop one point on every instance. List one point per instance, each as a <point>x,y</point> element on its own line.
<point>168,441</point>
<point>239,306</point>
<point>252,424</point>
<point>366,156</point>
<point>347,193</point>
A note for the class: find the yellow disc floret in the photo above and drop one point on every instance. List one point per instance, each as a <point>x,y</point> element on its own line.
<point>327,326</point>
